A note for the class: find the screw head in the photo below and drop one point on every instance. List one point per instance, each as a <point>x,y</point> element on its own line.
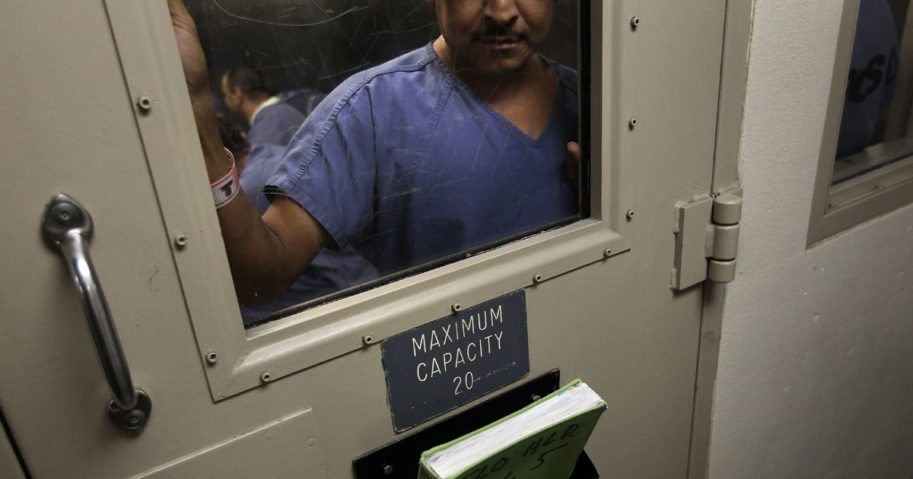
<point>65,214</point>
<point>456,307</point>
<point>537,278</point>
<point>607,252</point>
<point>212,358</point>
<point>367,339</point>
<point>134,419</point>
<point>144,103</point>
<point>635,22</point>
<point>265,377</point>
<point>180,240</point>
<point>632,122</point>
<point>629,215</point>
<point>388,470</point>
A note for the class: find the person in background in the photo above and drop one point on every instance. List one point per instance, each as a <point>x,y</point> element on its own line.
<point>252,102</point>
<point>304,100</point>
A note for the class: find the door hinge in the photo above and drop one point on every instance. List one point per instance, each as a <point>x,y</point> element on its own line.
<point>706,240</point>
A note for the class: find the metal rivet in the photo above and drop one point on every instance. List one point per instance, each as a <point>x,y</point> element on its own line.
<point>144,103</point>
<point>134,420</point>
<point>65,214</point>
<point>629,215</point>
<point>266,377</point>
<point>212,357</point>
<point>635,22</point>
<point>388,470</point>
<point>607,252</point>
<point>456,307</point>
<point>632,122</point>
<point>537,278</point>
<point>367,339</point>
<point>180,241</point>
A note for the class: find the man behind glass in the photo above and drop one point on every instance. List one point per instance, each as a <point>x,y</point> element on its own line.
<point>445,148</point>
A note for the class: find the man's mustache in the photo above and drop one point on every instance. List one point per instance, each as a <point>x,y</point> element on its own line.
<point>495,31</point>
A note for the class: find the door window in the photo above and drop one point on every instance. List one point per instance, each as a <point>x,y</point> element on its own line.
<point>874,127</point>
<point>348,109</point>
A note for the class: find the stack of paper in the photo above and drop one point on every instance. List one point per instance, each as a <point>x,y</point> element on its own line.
<point>540,441</point>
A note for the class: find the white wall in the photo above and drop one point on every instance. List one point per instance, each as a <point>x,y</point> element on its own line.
<point>815,375</point>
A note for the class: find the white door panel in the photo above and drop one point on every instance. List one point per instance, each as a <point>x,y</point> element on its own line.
<point>70,124</point>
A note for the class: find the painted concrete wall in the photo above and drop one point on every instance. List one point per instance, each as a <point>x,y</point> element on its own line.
<point>815,375</point>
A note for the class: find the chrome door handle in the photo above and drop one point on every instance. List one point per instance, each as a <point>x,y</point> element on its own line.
<point>67,226</point>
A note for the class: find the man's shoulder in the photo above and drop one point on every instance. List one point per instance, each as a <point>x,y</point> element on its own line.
<point>411,61</point>
<point>404,86</point>
<point>390,77</point>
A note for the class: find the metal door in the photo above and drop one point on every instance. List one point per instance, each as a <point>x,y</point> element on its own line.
<point>93,104</point>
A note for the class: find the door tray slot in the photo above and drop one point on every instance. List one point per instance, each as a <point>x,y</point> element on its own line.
<point>400,458</point>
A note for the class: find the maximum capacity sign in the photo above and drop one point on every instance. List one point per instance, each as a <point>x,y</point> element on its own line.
<point>450,361</point>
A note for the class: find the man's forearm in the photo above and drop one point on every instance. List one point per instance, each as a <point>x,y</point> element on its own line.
<point>256,255</point>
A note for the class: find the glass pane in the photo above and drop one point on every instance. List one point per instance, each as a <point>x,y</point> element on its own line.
<point>875,129</point>
<point>411,149</point>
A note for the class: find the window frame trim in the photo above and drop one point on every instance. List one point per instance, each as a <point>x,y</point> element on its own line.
<point>837,208</point>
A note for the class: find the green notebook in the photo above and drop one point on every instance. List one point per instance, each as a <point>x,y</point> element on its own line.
<point>540,441</point>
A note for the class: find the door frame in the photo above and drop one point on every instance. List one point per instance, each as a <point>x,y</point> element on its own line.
<point>733,81</point>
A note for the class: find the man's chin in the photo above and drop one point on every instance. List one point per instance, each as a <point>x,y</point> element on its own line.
<point>495,62</point>
<point>504,66</point>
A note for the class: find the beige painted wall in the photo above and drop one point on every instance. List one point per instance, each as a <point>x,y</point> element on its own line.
<point>815,374</point>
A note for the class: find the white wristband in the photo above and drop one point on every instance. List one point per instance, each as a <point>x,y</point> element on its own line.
<point>227,187</point>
